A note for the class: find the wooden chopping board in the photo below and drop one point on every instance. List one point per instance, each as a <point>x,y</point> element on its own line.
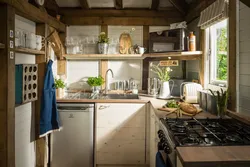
<point>125,43</point>
<point>173,110</point>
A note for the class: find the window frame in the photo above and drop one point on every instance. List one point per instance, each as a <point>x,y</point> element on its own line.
<point>212,58</point>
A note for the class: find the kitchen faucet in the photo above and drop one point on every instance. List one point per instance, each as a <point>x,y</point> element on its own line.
<point>106,80</point>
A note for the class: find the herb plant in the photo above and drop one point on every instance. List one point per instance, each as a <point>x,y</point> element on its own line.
<point>95,81</point>
<point>59,84</point>
<point>163,73</point>
<point>102,38</point>
<point>221,98</point>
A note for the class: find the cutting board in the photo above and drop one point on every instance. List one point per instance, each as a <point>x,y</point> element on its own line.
<point>173,110</point>
<point>125,43</point>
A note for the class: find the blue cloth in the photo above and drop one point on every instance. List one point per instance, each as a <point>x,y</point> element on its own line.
<point>49,120</point>
<point>159,160</point>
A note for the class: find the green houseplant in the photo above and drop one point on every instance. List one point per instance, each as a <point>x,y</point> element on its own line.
<point>95,83</point>
<point>103,43</point>
<point>163,74</point>
<point>221,98</point>
<point>59,85</point>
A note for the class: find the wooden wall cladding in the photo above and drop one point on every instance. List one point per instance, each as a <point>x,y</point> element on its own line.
<point>7,88</point>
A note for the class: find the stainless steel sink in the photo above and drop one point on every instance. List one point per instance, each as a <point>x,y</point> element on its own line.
<point>121,96</point>
<point>81,95</point>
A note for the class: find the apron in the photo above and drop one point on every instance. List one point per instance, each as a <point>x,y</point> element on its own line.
<point>49,120</point>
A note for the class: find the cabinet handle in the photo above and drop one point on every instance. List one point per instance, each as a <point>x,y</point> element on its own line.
<point>102,107</point>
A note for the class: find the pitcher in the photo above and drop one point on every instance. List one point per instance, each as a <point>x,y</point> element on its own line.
<point>165,91</point>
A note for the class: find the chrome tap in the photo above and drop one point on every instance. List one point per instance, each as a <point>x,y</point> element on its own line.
<point>106,80</point>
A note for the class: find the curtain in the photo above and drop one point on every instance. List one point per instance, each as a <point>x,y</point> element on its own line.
<point>213,14</point>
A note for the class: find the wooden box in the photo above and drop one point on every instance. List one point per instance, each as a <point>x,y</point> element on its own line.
<point>26,83</point>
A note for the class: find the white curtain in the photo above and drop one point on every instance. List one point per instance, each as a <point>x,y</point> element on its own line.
<point>213,14</point>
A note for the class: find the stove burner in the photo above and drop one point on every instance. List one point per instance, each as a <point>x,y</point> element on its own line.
<point>190,141</point>
<point>179,125</point>
<point>179,130</point>
<point>213,125</point>
<point>193,135</point>
<point>234,138</point>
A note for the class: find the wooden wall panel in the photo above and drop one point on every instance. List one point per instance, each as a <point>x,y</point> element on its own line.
<point>41,60</point>
<point>104,63</point>
<point>7,88</point>
<point>232,55</point>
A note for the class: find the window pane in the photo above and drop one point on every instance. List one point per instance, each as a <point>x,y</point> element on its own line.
<point>221,73</point>
<point>219,47</point>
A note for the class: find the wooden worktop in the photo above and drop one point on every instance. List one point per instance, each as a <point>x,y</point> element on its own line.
<point>217,156</point>
<point>102,101</point>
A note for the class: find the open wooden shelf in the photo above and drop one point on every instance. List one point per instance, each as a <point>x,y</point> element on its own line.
<point>29,51</point>
<point>2,46</point>
<point>103,56</point>
<point>196,55</point>
<point>170,55</point>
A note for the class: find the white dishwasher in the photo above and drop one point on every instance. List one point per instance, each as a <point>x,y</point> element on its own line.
<point>73,145</point>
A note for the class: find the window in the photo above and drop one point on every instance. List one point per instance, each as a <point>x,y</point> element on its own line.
<point>218,53</point>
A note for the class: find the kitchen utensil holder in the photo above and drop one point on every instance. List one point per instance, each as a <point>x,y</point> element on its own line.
<point>26,83</point>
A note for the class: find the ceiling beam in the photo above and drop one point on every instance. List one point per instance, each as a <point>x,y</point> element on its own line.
<point>195,9</point>
<point>170,12</point>
<point>29,11</point>
<point>150,21</point>
<point>180,5</point>
<point>51,7</point>
<point>246,2</point>
<point>155,4</point>
<point>118,4</point>
<point>84,4</point>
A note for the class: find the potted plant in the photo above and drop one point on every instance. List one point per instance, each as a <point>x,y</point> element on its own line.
<point>59,85</point>
<point>163,74</point>
<point>103,43</point>
<point>221,98</point>
<point>95,83</point>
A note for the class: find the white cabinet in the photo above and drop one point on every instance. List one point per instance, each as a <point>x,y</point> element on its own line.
<point>154,127</point>
<point>120,133</point>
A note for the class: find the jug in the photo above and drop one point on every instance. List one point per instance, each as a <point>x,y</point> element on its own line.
<point>165,91</point>
<point>153,86</point>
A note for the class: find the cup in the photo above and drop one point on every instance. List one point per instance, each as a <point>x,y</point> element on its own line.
<point>17,38</point>
<point>142,50</point>
<point>39,42</point>
<point>31,40</point>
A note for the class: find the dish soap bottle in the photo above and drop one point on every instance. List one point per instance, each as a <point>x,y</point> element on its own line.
<point>192,42</point>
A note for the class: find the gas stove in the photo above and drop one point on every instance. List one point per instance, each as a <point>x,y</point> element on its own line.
<point>200,132</point>
<point>207,132</point>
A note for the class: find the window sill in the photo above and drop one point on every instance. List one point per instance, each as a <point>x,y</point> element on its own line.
<point>215,87</point>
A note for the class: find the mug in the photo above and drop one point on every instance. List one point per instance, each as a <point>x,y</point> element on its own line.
<point>142,50</point>
<point>39,42</point>
<point>31,40</point>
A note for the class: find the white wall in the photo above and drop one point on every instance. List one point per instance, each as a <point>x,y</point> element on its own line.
<point>24,117</point>
<point>244,59</point>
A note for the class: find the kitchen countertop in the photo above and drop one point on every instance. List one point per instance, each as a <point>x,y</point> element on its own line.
<point>228,156</point>
<point>220,156</point>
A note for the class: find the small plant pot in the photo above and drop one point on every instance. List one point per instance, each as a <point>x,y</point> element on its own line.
<point>103,48</point>
<point>60,93</point>
<point>96,89</point>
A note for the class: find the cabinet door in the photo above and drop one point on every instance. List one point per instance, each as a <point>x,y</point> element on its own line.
<point>153,137</point>
<point>120,133</point>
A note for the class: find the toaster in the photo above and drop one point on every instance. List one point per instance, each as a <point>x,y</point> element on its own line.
<point>189,92</point>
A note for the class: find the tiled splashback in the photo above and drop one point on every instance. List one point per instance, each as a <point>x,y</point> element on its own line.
<point>78,72</point>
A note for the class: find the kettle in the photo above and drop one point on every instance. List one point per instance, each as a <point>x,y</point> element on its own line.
<point>189,92</point>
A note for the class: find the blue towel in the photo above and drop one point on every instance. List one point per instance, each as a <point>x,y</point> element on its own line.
<point>49,115</point>
<point>159,160</point>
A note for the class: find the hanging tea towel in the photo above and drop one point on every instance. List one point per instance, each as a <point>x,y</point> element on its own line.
<point>49,120</point>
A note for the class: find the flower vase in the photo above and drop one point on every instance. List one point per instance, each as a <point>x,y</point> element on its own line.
<point>60,93</point>
<point>221,111</point>
<point>103,48</point>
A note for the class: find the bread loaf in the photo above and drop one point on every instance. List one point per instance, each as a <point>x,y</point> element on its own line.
<point>188,108</point>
